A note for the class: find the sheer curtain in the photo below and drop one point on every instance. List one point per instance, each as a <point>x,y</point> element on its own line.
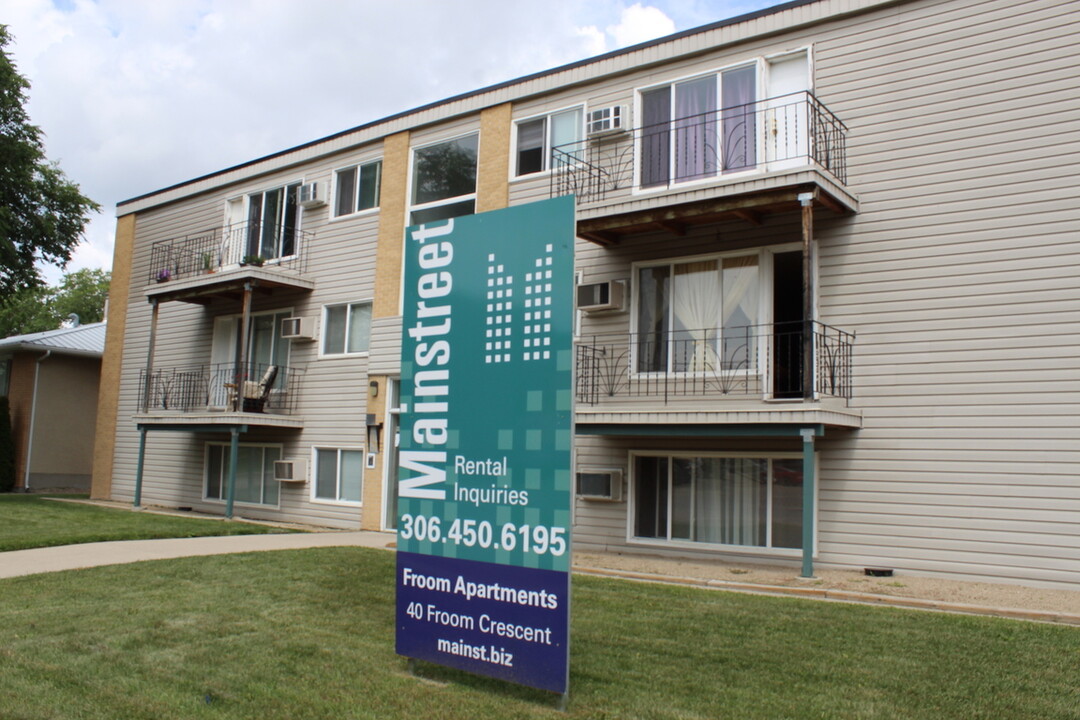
<point>656,137</point>
<point>695,128</point>
<point>739,118</point>
<point>740,310</point>
<point>696,303</point>
<point>730,499</point>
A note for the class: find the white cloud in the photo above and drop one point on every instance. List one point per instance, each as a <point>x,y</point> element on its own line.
<point>640,23</point>
<point>135,96</point>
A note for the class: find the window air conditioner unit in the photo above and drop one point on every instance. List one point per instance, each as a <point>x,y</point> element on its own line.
<point>298,328</point>
<point>608,120</point>
<point>596,297</point>
<point>311,196</point>
<point>290,470</point>
<point>600,484</point>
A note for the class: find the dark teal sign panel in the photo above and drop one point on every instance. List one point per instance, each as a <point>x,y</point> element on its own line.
<point>485,478</point>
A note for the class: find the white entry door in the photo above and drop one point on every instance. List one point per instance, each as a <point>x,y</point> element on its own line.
<point>787,140</point>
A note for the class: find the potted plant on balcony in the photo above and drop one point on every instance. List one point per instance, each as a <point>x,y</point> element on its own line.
<point>256,260</point>
<point>163,275</point>
<point>208,262</point>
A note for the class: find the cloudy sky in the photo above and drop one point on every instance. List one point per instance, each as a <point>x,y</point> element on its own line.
<point>136,95</point>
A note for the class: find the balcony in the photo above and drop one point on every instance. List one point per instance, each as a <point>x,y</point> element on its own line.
<point>221,394</point>
<point>221,261</point>
<point>755,374</point>
<point>738,162</point>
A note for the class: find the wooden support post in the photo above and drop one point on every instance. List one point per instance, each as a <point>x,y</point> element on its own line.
<point>154,307</point>
<point>240,376</point>
<point>807,202</point>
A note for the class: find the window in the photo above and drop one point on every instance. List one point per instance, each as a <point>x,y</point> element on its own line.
<point>339,475</point>
<point>265,349</point>
<point>537,140</point>
<point>748,501</point>
<point>698,315</point>
<point>273,222</point>
<point>444,180</point>
<point>255,483</point>
<point>346,328</point>
<point>682,138</point>
<point>357,188</point>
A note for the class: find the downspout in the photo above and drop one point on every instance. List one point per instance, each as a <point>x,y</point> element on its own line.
<point>33,413</point>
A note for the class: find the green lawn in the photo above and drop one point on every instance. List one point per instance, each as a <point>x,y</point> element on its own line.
<point>30,521</point>
<point>310,634</point>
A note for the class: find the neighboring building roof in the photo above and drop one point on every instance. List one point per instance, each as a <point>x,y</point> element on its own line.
<point>81,340</point>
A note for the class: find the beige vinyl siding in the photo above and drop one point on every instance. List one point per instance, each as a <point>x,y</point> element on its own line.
<point>959,276</point>
<point>333,391</point>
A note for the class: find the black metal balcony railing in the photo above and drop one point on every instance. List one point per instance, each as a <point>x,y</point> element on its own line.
<point>774,133</point>
<point>252,387</point>
<point>758,360</point>
<point>228,247</point>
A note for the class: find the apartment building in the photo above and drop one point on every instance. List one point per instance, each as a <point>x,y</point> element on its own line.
<point>827,289</point>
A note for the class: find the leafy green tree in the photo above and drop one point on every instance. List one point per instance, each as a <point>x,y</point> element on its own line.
<point>36,309</point>
<point>42,213</point>
<point>7,447</point>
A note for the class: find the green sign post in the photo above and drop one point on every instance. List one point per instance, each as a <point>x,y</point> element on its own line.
<point>485,482</point>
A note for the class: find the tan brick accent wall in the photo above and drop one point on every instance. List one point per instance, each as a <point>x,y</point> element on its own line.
<point>393,200</point>
<point>373,477</point>
<point>109,393</point>
<point>493,172</point>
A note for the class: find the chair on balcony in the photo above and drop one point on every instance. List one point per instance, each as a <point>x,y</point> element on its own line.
<point>255,394</point>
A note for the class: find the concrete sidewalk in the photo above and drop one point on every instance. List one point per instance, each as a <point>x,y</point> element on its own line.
<point>75,557</point>
<point>1010,601</point>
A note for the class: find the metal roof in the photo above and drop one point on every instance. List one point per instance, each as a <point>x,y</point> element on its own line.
<point>81,340</point>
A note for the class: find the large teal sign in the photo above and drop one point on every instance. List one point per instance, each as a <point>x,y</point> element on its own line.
<point>485,480</point>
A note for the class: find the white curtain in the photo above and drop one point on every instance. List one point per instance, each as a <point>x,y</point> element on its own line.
<point>740,310</point>
<point>730,499</point>
<point>696,305</point>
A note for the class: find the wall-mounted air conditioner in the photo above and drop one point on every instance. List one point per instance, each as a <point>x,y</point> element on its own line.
<point>311,195</point>
<point>298,328</point>
<point>597,297</point>
<point>607,120</point>
<point>290,470</point>
<point>600,484</point>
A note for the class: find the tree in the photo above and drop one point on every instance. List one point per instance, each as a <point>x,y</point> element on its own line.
<point>36,309</point>
<point>42,213</point>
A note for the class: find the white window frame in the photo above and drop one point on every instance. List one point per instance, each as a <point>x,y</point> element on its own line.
<point>224,479</point>
<point>315,450</point>
<point>760,167</point>
<point>324,328</point>
<point>411,189</point>
<point>764,263</point>
<point>354,213</point>
<point>766,550</point>
<point>547,147</point>
<point>242,202</point>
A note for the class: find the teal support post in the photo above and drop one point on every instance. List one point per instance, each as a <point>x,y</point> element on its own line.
<point>234,451</point>
<point>139,467</point>
<point>808,503</point>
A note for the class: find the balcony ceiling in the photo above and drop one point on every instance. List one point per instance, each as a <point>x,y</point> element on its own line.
<point>209,421</point>
<point>677,211</point>
<point>228,284</point>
